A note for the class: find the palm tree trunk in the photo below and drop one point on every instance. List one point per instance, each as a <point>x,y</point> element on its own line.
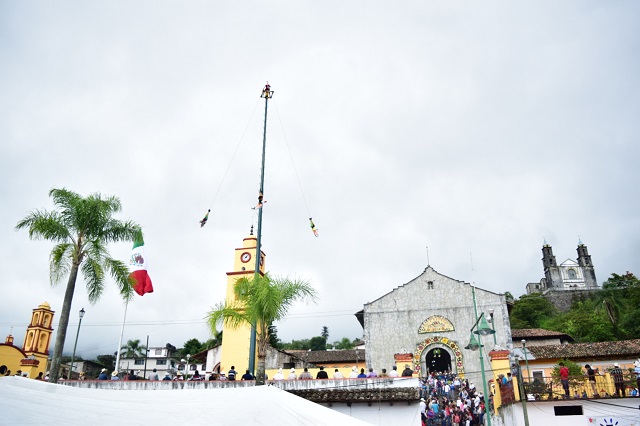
<point>62,325</point>
<point>261,368</point>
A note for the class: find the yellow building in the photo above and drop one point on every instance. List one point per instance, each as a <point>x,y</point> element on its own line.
<point>32,358</point>
<point>235,344</point>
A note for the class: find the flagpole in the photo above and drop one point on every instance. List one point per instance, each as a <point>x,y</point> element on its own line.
<point>121,334</point>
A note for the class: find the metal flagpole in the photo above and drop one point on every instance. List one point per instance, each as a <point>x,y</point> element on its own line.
<point>267,93</point>
<point>121,333</point>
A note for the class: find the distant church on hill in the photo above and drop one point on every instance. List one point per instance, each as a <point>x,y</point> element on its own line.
<point>570,275</point>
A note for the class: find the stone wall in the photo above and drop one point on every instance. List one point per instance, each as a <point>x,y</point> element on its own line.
<point>562,300</point>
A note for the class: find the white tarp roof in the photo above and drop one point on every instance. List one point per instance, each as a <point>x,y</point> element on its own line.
<point>32,402</point>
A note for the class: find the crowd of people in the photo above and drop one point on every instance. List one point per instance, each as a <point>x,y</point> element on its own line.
<point>447,400</point>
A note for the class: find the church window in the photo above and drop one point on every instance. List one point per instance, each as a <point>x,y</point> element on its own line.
<point>139,362</point>
<point>429,285</point>
<point>572,274</point>
<point>161,362</point>
<point>158,351</point>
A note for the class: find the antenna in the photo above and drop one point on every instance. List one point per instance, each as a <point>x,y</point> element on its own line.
<point>472,278</point>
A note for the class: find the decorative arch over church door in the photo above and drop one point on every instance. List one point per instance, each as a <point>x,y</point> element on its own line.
<point>434,343</point>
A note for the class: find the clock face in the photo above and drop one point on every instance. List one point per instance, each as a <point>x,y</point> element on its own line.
<point>245,257</point>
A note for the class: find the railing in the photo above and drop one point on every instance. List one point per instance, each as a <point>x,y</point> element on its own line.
<point>288,385</point>
<point>579,387</point>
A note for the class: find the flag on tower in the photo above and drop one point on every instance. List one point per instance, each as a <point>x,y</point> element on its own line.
<point>139,273</point>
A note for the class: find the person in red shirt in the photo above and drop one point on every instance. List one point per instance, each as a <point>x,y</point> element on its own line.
<point>564,379</point>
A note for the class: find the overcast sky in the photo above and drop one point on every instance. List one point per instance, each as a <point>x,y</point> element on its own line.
<point>473,129</point>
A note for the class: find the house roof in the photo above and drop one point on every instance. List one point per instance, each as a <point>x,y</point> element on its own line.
<point>625,348</point>
<point>538,333</point>
<point>324,357</point>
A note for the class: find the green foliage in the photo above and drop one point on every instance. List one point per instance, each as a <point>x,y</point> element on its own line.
<point>318,343</point>
<point>325,333</point>
<point>262,301</point>
<point>621,281</point>
<point>213,342</point>
<point>274,341</point>
<point>133,349</point>
<point>606,315</point>
<point>345,343</point>
<point>530,310</point>
<point>108,361</point>
<point>509,297</point>
<point>81,227</point>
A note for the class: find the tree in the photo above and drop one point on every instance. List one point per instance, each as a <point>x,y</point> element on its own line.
<point>303,344</point>
<point>191,347</point>
<point>274,341</point>
<point>345,343</point>
<point>213,342</point>
<point>81,228</point>
<point>108,361</point>
<point>261,301</point>
<point>325,333</point>
<point>621,281</point>
<point>318,343</point>
<point>530,310</point>
<point>133,349</point>
<point>508,297</point>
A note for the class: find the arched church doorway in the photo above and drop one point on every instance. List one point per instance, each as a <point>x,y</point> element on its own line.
<point>438,359</point>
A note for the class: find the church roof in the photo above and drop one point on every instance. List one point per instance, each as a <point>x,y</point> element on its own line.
<point>427,269</point>
<point>538,333</point>
<point>627,348</point>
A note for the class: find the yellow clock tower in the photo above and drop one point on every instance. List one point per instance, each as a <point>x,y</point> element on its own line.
<point>235,341</point>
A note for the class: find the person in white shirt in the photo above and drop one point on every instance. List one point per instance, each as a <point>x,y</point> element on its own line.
<point>354,373</point>
<point>337,374</point>
<point>394,372</point>
<point>279,375</point>
<point>292,374</point>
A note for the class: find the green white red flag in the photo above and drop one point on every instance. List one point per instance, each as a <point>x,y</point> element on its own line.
<point>139,273</point>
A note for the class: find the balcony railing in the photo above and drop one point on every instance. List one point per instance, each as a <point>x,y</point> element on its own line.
<point>580,387</point>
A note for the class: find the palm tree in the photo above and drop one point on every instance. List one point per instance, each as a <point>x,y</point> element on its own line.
<point>81,227</point>
<point>260,301</point>
<point>133,349</point>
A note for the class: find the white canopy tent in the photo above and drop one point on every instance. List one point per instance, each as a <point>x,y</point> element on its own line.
<point>32,402</point>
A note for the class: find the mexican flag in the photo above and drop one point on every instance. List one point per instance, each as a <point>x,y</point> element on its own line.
<point>139,269</point>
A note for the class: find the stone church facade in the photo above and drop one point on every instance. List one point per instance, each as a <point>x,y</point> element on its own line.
<point>570,275</point>
<point>428,322</point>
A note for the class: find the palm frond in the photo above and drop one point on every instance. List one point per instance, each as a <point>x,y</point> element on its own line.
<point>116,230</point>
<point>42,224</point>
<point>228,314</point>
<point>94,277</point>
<point>60,262</point>
<point>119,271</point>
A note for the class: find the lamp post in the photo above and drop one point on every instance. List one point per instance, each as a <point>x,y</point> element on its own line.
<point>526,360</point>
<point>481,329</point>
<point>184,361</point>
<point>81,314</point>
<point>186,372</point>
<point>523,394</point>
<point>493,327</point>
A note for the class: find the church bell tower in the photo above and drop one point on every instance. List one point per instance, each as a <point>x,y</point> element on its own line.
<point>235,341</point>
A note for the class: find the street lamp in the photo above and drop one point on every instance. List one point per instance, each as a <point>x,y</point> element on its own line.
<point>481,329</point>
<point>81,314</point>
<point>493,327</point>
<point>523,394</point>
<point>526,360</point>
